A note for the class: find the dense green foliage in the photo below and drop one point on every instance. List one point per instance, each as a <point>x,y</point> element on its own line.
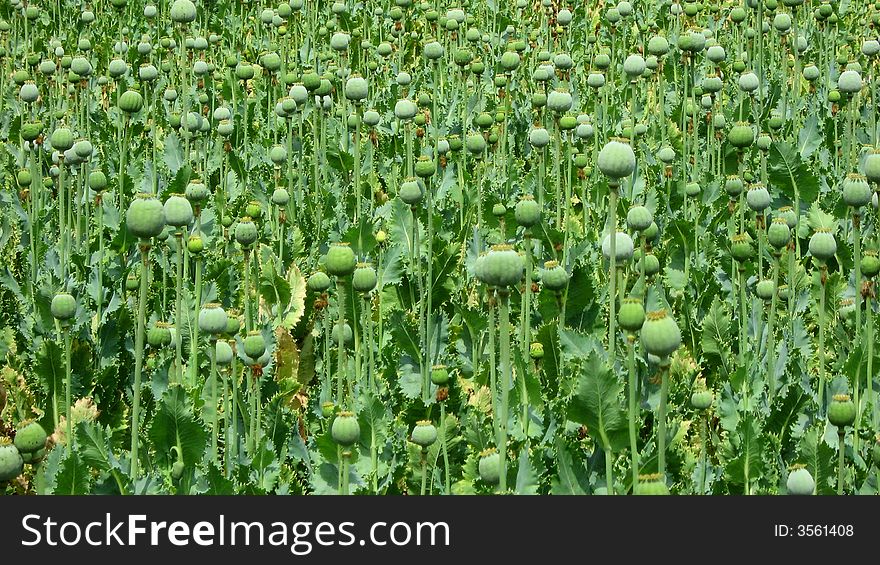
<point>386,247</point>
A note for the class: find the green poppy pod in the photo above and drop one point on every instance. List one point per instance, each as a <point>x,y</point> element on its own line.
<point>616,160</point>
<point>212,319</point>
<point>823,246</point>
<point>788,214</point>
<point>741,135</point>
<point>254,344</point>
<point>225,128</point>
<point>489,466</point>
<point>29,92</point>
<point>800,482</point>
<point>758,197</point>
<point>527,211</point>
<point>371,118</point>
<point>510,61</point>
<point>425,167</point>
<point>841,410</point>
<point>539,137</point>
<point>502,267</point>
<point>658,46</point>
<point>356,88</point>
<point>440,375</point>
<point>651,485</point>
<point>811,72</point>
<point>364,278</point>
<point>666,154</point>
<point>849,82</point>
<point>856,190</point>
<point>411,191</point>
<point>563,61</point>
<point>765,289</point>
<point>61,139</point>
<point>433,51</point>
<point>81,66</point>
<point>692,189</point>
<point>340,260</point>
<point>347,335</point>
<point>253,210</point>
<point>117,67</point>
<point>223,352</point>
<point>405,109</point>
<point>634,66</point>
<point>178,211</point>
<point>567,123</point>
<point>24,178</point>
<point>778,234</point>
<point>280,197</point>
<point>424,434</point>
<point>623,248</point>
<point>660,334</point>
<point>631,316</point>
<point>30,437</point>
<point>650,263</point>
<point>63,306</point>
<point>159,335</point>
<point>554,277</point>
<point>871,166</point>
<point>870,263</point>
<point>30,131</point>
<point>145,217</point>
<point>749,82</point>
<point>702,399</point>
<point>278,154</point>
<point>559,101</point>
<point>183,11</point>
<point>196,191</point>
<point>595,80</point>
<point>11,462</point>
<point>345,429</point>
<point>741,248</point>
<point>716,54</point>
<point>475,143</point>
<point>318,282</point>
<point>233,323</point>
<point>97,181</point>
<point>246,232</point>
<point>639,218</point>
<point>245,71</point>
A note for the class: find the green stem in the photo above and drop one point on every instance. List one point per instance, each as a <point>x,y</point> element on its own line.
<point>340,345</point>
<point>445,447</point>
<point>612,270</point>
<point>822,339</point>
<point>68,385</point>
<point>771,336</point>
<point>841,460</point>
<point>504,347</point>
<point>215,423</point>
<point>139,358</point>
<point>704,433</point>
<point>857,260</point>
<point>424,471</point>
<point>661,419</point>
<point>633,407</point>
<point>178,315</point>
<point>194,344</point>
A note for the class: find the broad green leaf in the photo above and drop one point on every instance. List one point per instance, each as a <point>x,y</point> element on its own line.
<point>789,174</point>
<point>716,328</point>
<point>597,405</point>
<point>73,476</point>
<point>175,425</point>
<point>571,476</point>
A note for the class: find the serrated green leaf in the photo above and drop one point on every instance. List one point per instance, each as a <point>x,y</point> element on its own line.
<point>597,405</point>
